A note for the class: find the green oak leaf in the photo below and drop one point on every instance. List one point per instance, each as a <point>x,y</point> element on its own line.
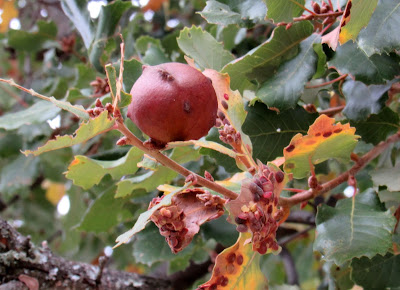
<point>109,18</point>
<point>284,88</point>
<point>374,69</point>
<point>112,82</point>
<point>388,176</point>
<point>378,126</point>
<point>86,131</point>
<point>363,100</point>
<point>220,13</point>
<point>271,132</point>
<point>36,40</point>
<point>354,228</point>
<point>77,12</point>
<point>284,11</point>
<point>226,12</point>
<point>104,213</point>
<point>261,62</point>
<point>203,48</point>
<point>381,35</point>
<point>132,71</point>
<point>36,114</point>
<point>11,179</point>
<point>360,14</point>
<point>151,179</point>
<point>87,172</point>
<point>380,272</point>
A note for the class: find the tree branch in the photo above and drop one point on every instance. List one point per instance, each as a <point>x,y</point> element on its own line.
<point>20,261</point>
<point>167,162</point>
<point>361,163</point>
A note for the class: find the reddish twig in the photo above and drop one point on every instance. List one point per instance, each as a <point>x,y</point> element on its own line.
<point>327,83</point>
<point>302,7</point>
<point>363,161</point>
<point>167,162</point>
<point>332,111</point>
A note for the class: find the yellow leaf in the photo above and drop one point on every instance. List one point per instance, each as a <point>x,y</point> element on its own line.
<point>9,12</point>
<point>54,191</point>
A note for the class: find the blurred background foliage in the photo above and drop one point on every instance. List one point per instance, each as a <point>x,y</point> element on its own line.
<point>59,48</point>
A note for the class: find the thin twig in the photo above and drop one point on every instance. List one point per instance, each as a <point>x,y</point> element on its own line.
<point>302,7</point>
<point>327,83</point>
<point>167,162</point>
<point>332,111</point>
<point>362,162</point>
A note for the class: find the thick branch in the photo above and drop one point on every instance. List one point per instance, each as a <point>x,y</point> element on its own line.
<point>21,260</point>
<point>361,163</point>
<point>167,162</point>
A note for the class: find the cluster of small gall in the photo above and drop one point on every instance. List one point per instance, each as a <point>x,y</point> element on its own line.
<point>100,86</point>
<point>175,220</point>
<point>68,43</point>
<point>229,135</point>
<point>99,108</point>
<point>170,221</point>
<point>261,215</point>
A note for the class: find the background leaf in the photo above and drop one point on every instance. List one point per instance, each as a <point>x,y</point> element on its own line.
<point>104,213</point>
<point>271,132</point>
<point>87,172</point>
<point>283,11</point>
<point>376,69</point>
<point>86,131</point>
<point>79,16</point>
<point>354,229</point>
<point>363,100</point>
<point>380,35</point>
<point>38,113</point>
<point>261,62</point>
<point>378,126</point>
<point>384,269</point>
<point>284,88</point>
<point>203,48</point>
<point>387,177</point>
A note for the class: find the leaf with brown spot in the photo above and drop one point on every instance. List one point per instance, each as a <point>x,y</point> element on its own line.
<point>181,220</point>
<point>324,140</point>
<point>237,267</point>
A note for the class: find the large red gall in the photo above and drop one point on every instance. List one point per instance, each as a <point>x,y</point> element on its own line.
<point>173,102</point>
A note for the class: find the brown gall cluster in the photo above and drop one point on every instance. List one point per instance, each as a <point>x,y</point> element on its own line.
<point>100,86</point>
<point>261,214</point>
<point>99,108</point>
<point>229,135</point>
<point>180,221</point>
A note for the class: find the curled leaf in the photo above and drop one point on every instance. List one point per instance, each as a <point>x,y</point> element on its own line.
<point>324,140</point>
<point>181,220</point>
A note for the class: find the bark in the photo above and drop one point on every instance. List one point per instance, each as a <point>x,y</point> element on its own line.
<point>23,263</point>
